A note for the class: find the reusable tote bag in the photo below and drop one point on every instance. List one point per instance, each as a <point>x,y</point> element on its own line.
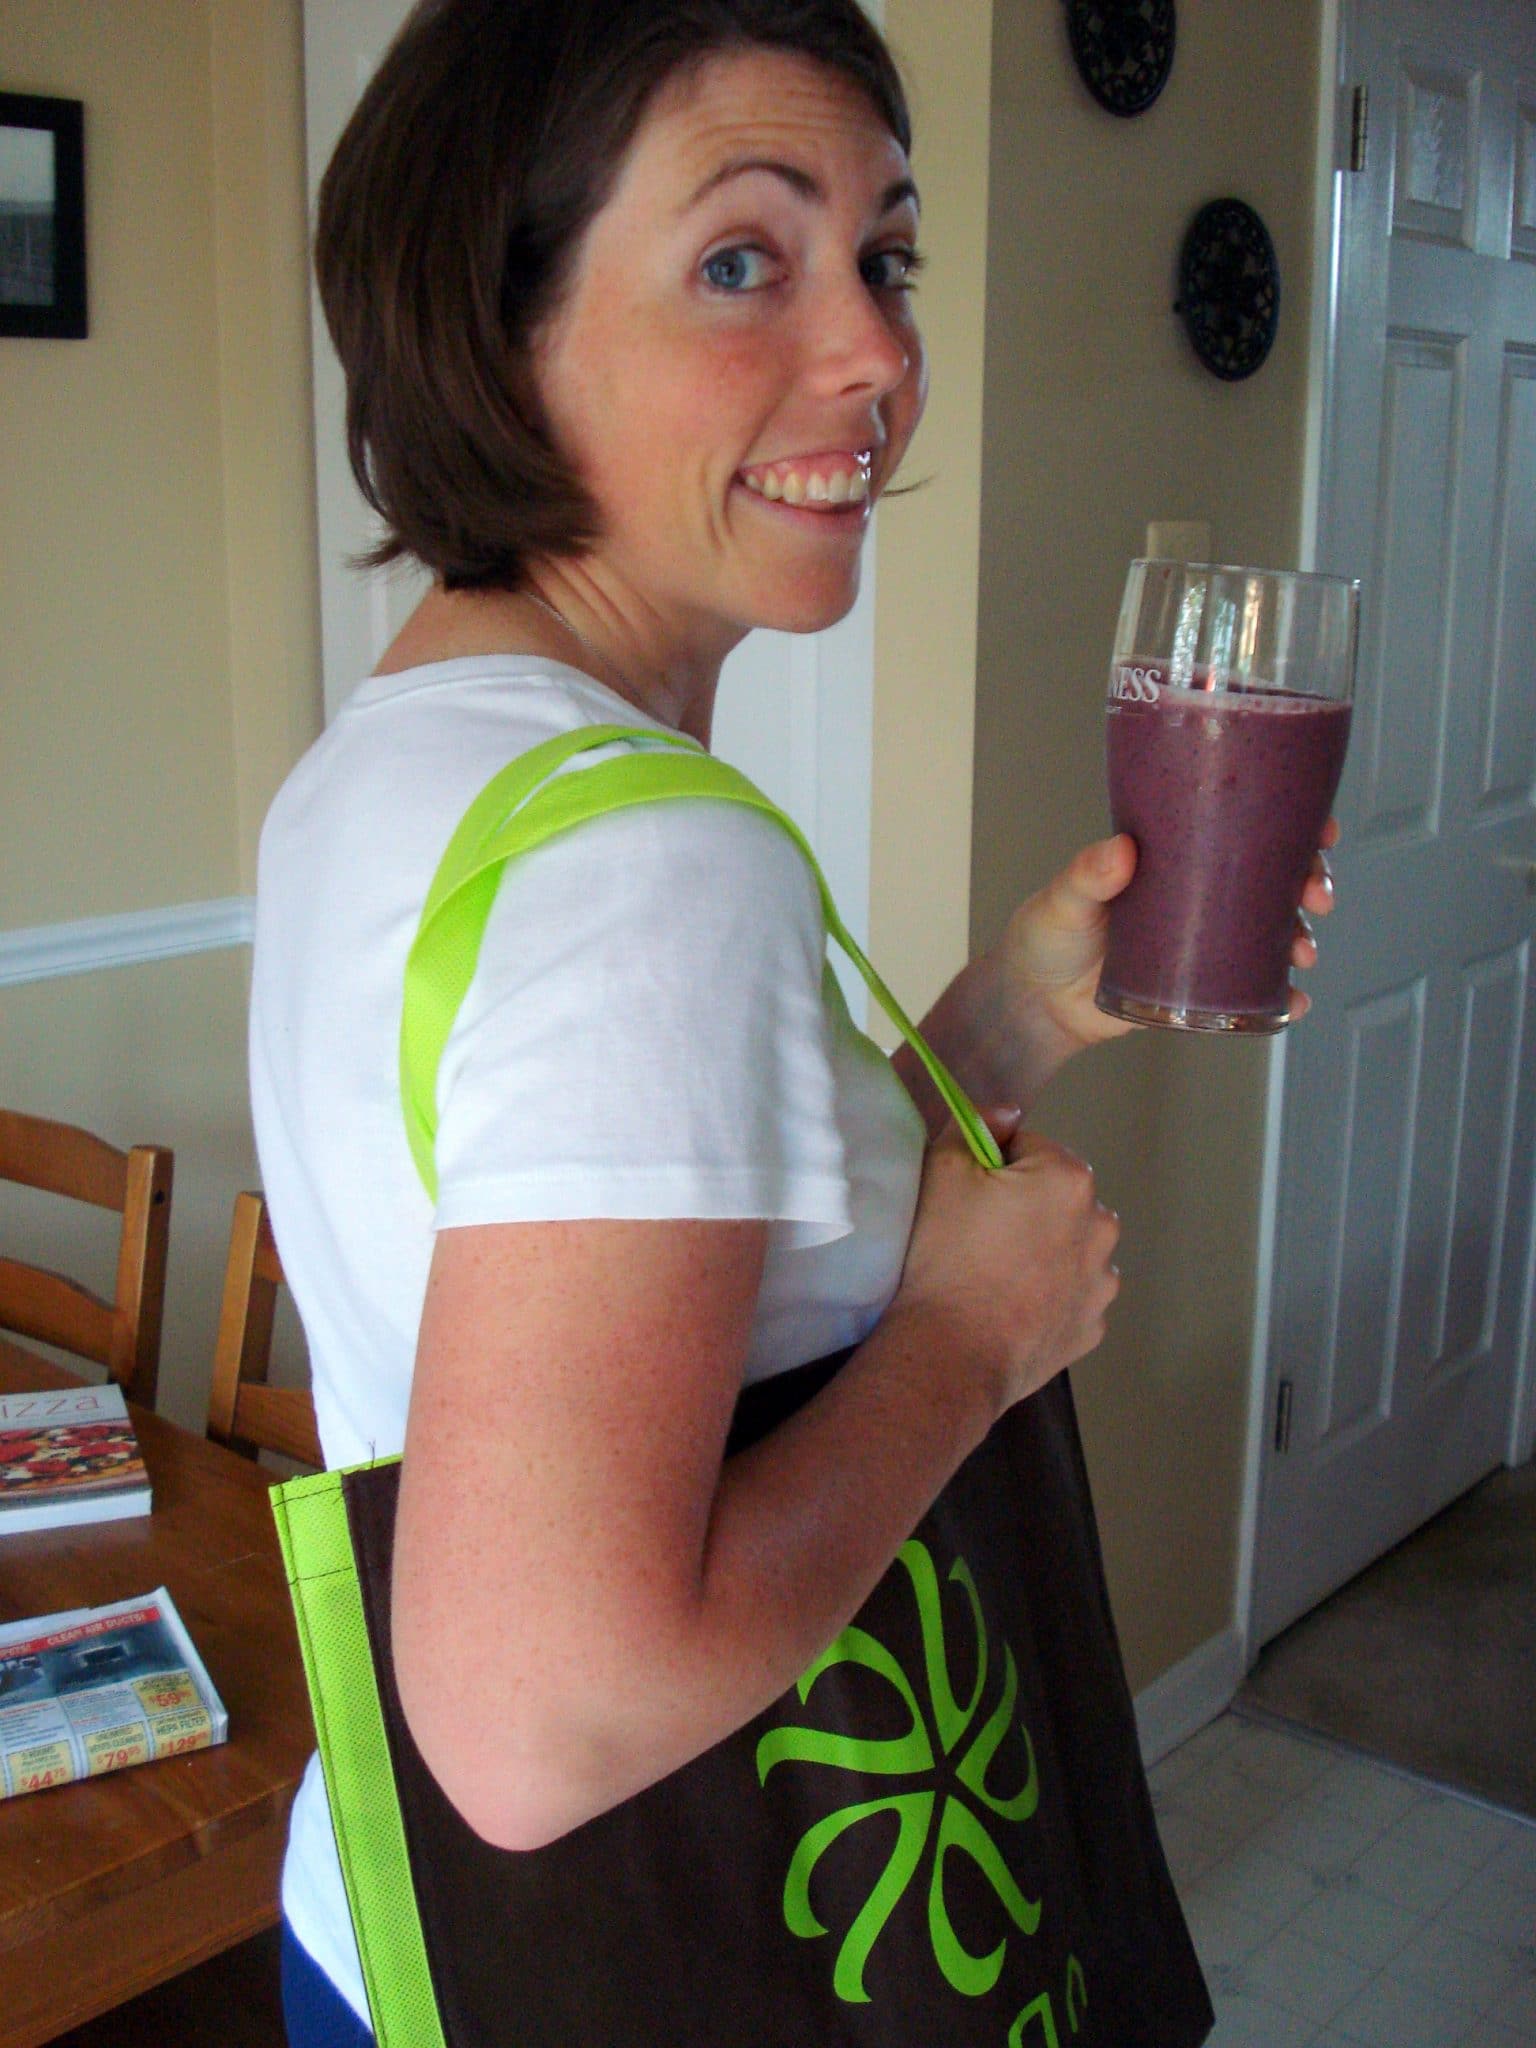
<point>939,1838</point>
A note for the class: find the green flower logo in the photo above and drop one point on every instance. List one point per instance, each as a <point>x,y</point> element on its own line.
<point>956,1827</point>
<point>1043,2011</point>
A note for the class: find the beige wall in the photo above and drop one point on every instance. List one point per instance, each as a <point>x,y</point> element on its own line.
<point>157,580</point>
<point>114,686</point>
<point>1098,418</point>
<point>149,1053</point>
<point>158,663</point>
<point>262,264</point>
<point>926,582</point>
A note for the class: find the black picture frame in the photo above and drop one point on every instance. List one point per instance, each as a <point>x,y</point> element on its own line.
<point>42,217</point>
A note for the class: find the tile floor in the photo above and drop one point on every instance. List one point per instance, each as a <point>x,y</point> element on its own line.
<point>1336,1904</point>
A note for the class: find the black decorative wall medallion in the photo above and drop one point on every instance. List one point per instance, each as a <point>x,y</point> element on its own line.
<point>1229,288</point>
<point>1124,49</point>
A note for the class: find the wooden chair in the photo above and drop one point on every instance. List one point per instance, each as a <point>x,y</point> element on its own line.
<point>122,1334</point>
<point>243,1411</point>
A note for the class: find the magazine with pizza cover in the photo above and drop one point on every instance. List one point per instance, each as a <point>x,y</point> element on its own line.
<point>98,1688</point>
<point>69,1454</point>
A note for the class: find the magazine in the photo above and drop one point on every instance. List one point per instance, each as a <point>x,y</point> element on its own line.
<point>69,1454</point>
<point>99,1688</point>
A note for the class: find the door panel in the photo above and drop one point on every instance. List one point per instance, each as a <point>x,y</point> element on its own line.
<point>1523,211</point>
<point>1509,751</point>
<point>1385,1044</point>
<point>1404,689</point>
<point>1436,150</point>
<point>1487,1077</point>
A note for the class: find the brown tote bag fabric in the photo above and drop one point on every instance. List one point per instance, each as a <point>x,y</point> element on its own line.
<point>943,1838</point>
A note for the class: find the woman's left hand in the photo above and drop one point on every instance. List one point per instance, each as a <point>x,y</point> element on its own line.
<point>1316,901</point>
<point>1053,947</point>
<point>1019,1011</point>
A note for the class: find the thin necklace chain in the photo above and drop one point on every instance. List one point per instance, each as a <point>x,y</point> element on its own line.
<point>603,672</point>
<point>560,619</point>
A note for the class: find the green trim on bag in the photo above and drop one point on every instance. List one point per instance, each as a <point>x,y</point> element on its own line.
<point>519,809</point>
<point>316,1542</point>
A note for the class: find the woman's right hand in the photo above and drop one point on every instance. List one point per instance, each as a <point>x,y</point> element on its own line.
<point>1018,1263</point>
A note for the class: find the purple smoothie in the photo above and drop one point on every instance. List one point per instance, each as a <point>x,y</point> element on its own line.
<point>1225,793</point>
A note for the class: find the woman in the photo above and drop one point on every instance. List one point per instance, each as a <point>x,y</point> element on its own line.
<point>623,295</point>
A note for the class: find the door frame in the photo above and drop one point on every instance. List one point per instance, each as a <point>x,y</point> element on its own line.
<point>1322,343</point>
<point>1332,144</point>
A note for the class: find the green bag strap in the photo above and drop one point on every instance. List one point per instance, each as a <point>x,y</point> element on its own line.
<point>520,808</point>
<point>325,1585</point>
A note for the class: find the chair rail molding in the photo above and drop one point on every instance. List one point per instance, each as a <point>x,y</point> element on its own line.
<point>47,952</point>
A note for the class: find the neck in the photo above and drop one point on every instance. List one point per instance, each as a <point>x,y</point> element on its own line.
<point>567,614</point>
<point>627,643</point>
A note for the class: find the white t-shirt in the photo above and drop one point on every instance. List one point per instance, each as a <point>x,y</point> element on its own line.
<point>650,1032</point>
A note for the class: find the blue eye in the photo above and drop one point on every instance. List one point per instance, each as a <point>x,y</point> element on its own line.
<point>891,270</point>
<point>738,270</point>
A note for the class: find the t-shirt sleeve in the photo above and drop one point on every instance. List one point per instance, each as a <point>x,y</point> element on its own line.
<point>645,1035</point>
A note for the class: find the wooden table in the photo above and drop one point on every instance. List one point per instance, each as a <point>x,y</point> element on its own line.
<point>116,1883</point>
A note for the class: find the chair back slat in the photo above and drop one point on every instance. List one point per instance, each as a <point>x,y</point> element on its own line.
<point>135,1356</point>
<point>243,1411</point>
<point>123,1334</point>
<point>277,1419</point>
<point>52,1309</point>
<point>61,1159</point>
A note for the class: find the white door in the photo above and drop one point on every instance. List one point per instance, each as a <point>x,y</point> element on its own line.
<point>1401,1321</point>
<point>796,714</point>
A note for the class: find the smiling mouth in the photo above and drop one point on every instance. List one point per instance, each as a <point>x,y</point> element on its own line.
<point>829,482</point>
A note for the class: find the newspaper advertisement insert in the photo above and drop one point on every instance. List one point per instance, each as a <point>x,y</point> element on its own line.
<point>99,1688</point>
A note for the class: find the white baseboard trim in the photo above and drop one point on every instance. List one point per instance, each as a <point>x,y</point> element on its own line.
<point>47,951</point>
<point>1181,1702</point>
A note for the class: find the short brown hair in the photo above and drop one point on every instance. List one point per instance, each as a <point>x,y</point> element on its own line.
<point>485,143</point>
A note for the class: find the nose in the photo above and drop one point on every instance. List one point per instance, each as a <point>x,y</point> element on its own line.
<point>863,340</point>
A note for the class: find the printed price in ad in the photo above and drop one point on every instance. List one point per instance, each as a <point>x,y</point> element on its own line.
<point>113,1749</point>
<point>39,1781</point>
<point>166,1691</point>
<point>37,1767</point>
<point>176,1733</point>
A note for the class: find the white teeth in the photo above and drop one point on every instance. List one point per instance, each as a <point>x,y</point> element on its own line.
<point>841,487</point>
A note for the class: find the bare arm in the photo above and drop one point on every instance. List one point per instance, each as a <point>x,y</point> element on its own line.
<point>585,1597</point>
<point>1020,1011</point>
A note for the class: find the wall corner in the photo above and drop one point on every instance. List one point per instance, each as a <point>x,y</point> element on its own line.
<point>929,560</point>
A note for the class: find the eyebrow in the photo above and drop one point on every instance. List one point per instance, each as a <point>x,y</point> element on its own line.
<point>799,181</point>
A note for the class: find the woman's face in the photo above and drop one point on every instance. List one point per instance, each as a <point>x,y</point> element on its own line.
<point>735,370</point>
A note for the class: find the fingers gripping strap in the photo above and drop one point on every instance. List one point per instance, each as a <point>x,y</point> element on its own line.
<point>527,803</point>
